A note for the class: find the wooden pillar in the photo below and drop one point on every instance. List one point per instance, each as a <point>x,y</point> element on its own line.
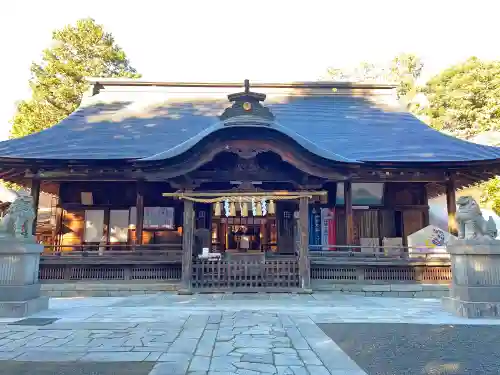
<point>304,263</point>
<point>349,224</point>
<point>187,246</point>
<point>139,208</point>
<point>426,220</point>
<point>35,194</point>
<point>451,206</point>
<point>57,232</point>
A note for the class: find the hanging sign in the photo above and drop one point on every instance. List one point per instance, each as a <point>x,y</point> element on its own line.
<point>158,218</point>
<point>314,227</point>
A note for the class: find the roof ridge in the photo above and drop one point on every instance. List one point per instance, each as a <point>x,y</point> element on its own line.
<point>233,84</point>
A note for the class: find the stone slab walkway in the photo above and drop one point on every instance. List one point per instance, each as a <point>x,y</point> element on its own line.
<point>210,334</point>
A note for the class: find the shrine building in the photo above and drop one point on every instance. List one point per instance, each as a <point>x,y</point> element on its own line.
<point>229,185</point>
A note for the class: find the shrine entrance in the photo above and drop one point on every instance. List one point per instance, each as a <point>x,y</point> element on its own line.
<point>245,232</point>
<point>245,240</point>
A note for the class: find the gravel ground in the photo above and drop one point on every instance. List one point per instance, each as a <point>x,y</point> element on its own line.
<point>418,349</point>
<point>75,368</point>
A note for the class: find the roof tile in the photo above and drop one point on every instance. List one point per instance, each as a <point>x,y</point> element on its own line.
<point>136,125</point>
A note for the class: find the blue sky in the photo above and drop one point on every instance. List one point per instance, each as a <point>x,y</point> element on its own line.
<point>265,40</point>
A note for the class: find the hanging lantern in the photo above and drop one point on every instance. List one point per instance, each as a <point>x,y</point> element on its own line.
<point>263,204</point>
<point>226,208</point>
<point>232,209</point>
<point>244,209</point>
<point>272,208</point>
<point>259,209</point>
<point>217,209</point>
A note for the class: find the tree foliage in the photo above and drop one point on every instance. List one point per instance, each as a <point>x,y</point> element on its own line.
<point>404,71</point>
<point>364,72</point>
<point>464,100</point>
<point>490,194</point>
<point>58,80</point>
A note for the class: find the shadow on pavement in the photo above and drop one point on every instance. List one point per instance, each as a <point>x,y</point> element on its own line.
<point>75,368</point>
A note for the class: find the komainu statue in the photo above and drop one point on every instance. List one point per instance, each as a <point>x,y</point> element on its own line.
<point>18,220</point>
<point>470,221</point>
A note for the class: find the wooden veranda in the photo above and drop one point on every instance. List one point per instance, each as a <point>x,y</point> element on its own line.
<point>163,264</point>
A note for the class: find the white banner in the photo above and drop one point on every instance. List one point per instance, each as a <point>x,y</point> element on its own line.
<point>429,242</point>
<point>158,218</point>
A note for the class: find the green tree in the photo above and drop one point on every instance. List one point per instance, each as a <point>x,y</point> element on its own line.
<point>58,80</point>
<point>404,71</point>
<point>464,100</point>
<point>490,194</point>
<point>363,72</point>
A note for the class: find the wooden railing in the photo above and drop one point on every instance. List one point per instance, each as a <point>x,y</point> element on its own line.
<point>113,253</point>
<point>163,262</point>
<point>406,254</point>
<point>111,262</point>
<point>395,264</point>
<point>246,275</point>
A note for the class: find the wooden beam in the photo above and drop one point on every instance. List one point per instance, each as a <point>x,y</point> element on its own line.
<point>246,194</point>
<point>139,206</point>
<point>451,206</point>
<point>378,175</point>
<point>261,175</point>
<point>35,194</point>
<point>304,263</point>
<point>348,213</point>
<point>187,246</point>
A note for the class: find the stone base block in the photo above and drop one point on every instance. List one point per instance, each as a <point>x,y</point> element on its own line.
<point>20,309</point>
<point>19,292</point>
<point>469,309</point>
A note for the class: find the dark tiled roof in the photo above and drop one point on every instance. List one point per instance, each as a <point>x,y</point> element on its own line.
<point>154,124</point>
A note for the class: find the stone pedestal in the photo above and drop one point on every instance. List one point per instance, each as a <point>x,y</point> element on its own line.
<point>475,288</point>
<point>19,285</point>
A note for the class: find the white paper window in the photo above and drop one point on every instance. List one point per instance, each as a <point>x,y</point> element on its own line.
<point>118,225</point>
<point>94,225</point>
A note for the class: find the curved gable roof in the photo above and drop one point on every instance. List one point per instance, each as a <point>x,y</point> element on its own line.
<point>150,123</point>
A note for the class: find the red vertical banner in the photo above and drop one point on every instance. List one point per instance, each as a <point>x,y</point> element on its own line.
<point>332,230</point>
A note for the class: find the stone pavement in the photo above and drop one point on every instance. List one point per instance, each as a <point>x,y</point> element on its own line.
<point>208,334</point>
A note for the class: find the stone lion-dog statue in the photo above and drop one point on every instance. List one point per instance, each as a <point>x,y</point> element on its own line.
<point>470,221</point>
<point>18,220</point>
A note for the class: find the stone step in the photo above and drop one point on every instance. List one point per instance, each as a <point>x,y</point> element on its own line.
<point>119,289</point>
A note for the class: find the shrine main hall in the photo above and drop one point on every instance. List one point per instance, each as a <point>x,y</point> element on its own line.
<point>238,185</point>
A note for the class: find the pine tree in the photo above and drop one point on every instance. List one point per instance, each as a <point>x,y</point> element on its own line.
<point>58,80</point>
